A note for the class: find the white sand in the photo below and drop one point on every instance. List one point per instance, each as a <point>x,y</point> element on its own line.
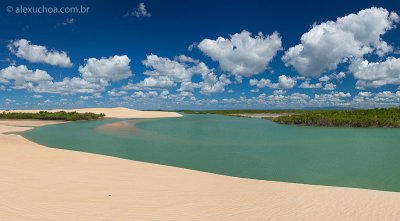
<point>262,115</point>
<point>118,112</point>
<point>39,184</point>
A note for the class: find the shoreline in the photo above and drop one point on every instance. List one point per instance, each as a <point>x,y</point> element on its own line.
<point>118,112</point>
<point>41,183</point>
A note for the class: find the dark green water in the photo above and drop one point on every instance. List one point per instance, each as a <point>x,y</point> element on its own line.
<point>243,147</point>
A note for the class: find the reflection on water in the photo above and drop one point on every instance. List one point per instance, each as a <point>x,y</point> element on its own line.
<point>242,147</point>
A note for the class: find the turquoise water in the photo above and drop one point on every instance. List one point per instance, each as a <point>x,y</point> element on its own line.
<point>242,147</point>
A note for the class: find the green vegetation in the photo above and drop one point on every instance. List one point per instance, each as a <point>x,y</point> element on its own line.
<point>382,117</point>
<point>60,115</point>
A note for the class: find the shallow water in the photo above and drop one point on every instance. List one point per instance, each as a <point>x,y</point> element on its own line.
<point>242,147</point>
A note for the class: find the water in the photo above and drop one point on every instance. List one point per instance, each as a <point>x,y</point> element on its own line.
<point>242,147</point>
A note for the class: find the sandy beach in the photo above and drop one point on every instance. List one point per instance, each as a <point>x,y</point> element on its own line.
<point>41,183</point>
<point>117,112</point>
<point>269,115</point>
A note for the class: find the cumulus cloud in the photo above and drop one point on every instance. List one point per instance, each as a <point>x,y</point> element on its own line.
<point>329,87</point>
<point>279,92</point>
<point>365,94</point>
<point>339,75</point>
<point>295,97</point>
<point>330,43</point>
<point>38,54</point>
<point>306,84</point>
<point>116,93</point>
<point>69,86</point>
<point>176,71</point>
<point>380,99</point>
<point>106,69</point>
<point>284,82</point>
<point>164,73</point>
<point>376,74</point>
<point>20,77</point>
<point>157,82</point>
<point>242,54</point>
<point>94,77</point>
<point>139,12</point>
<point>324,78</point>
<point>213,84</point>
<point>332,99</point>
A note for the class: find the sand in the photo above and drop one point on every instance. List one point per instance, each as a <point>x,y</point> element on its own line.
<point>269,115</point>
<point>39,184</point>
<point>118,112</point>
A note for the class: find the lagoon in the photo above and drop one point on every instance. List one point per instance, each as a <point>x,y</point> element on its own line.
<point>241,147</point>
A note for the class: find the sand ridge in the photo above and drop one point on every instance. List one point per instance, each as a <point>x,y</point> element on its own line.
<point>40,183</point>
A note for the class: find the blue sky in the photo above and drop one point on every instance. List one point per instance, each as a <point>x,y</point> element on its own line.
<point>200,54</point>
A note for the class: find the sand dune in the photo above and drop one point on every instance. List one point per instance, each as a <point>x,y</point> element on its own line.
<point>118,112</point>
<point>40,183</point>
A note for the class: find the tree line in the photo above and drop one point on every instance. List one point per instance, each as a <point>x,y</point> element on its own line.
<point>379,117</point>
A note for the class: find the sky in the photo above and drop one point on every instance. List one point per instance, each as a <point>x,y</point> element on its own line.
<point>199,54</point>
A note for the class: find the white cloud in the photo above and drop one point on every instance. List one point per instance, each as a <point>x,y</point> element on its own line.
<point>147,96</point>
<point>340,75</point>
<point>37,96</point>
<point>329,87</point>
<point>139,12</point>
<point>38,54</point>
<point>115,93</point>
<point>68,21</point>
<point>280,99</point>
<point>376,74</point>
<point>242,55</point>
<point>324,78</point>
<point>213,84</point>
<point>106,69</point>
<point>94,77</point>
<point>165,73</point>
<point>157,82</point>
<point>335,76</point>
<point>328,44</point>
<point>20,77</point>
<point>380,99</point>
<point>138,94</point>
<point>279,92</point>
<point>164,94</point>
<point>69,86</point>
<point>284,82</point>
<point>183,59</point>
<point>306,84</point>
<point>174,70</point>
<point>365,94</point>
<point>332,99</point>
<point>256,90</point>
